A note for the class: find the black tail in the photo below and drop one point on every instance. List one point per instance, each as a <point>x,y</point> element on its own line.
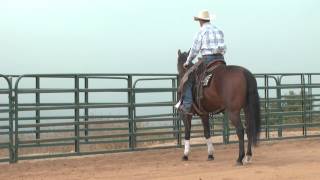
<point>253,106</point>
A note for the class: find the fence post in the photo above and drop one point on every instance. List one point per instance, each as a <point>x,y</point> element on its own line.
<point>130,112</point>
<point>38,111</point>
<point>310,99</point>
<point>134,115</point>
<point>76,115</point>
<point>86,110</point>
<point>179,121</point>
<point>267,104</point>
<point>303,105</point>
<point>16,123</point>
<point>174,112</point>
<point>11,114</point>
<point>280,119</point>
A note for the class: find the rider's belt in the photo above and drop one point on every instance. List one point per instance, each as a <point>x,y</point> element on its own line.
<point>212,55</point>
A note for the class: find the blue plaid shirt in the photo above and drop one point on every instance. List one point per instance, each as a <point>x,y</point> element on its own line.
<point>209,40</point>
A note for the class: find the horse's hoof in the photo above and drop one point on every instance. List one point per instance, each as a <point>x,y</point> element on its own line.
<point>185,158</point>
<point>239,163</point>
<point>247,159</point>
<point>210,158</point>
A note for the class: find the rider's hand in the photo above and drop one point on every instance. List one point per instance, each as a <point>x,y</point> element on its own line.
<point>185,65</point>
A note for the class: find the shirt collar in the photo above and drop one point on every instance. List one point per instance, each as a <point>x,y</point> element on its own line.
<point>205,25</point>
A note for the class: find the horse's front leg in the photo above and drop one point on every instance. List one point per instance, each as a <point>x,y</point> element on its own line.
<point>206,131</point>
<point>187,131</point>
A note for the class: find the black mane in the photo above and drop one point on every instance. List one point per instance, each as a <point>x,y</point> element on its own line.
<point>182,58</point>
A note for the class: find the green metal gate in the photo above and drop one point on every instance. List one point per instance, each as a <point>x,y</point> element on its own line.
<point>6,121</point>
<point>57,115</point>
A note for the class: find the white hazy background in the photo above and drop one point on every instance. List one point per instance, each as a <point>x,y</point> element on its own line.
<point>143,36</point>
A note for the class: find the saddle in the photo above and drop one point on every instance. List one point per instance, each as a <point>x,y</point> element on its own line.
<point>200,75</point>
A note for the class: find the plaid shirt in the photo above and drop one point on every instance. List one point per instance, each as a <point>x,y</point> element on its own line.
<point>209,40</point>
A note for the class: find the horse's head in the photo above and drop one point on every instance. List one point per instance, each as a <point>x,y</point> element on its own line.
<point>182,58</point>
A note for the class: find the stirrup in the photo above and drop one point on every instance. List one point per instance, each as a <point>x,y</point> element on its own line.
<point>184,110</point>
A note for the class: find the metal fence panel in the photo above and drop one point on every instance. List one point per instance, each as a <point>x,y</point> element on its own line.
<point>6,121</point>
<point>56,115</point>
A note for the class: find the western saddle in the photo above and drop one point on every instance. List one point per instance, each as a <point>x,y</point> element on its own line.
<point>200,75</point>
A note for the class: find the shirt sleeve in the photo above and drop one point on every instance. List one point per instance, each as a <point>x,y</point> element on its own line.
<point>221,44</point>
<point>195,48</point>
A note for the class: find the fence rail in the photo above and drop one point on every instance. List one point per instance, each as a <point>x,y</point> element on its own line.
<point>55,115</point>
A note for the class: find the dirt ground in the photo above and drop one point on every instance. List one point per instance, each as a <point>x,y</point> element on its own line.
<point>286,159</point>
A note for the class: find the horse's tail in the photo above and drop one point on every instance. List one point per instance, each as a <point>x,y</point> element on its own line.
<point>253,108</point>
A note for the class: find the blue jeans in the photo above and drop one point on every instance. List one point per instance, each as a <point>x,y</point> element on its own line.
<point>187,94</point>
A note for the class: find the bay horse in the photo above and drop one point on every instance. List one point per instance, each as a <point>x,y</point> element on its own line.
<point>231,89</point>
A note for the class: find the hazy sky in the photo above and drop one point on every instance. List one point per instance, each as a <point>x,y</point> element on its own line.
<point>143,36</point>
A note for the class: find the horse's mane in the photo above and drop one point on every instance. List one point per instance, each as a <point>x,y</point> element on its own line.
<point>182,58</point>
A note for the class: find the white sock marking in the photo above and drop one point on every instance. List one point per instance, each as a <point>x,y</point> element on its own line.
<point>210,146</point>
<point>186,147</point>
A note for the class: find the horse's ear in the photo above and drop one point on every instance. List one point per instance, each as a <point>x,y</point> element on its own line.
<point>179,52</point>
<point>189,51</point>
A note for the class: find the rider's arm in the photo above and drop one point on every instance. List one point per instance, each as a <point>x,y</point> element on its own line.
<point>195,48</point>
<point>221,44</point>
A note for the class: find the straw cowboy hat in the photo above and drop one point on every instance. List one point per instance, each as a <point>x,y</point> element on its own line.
<point>204,15</point>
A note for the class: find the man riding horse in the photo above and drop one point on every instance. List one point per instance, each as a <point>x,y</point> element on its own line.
<point>209,41</point>
<point>231,89</point>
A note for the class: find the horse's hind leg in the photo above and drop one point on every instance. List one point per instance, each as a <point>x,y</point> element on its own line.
<point>248,157</point>
<point>187,131</point>
<point>206,131</point>
<point>236,121</point>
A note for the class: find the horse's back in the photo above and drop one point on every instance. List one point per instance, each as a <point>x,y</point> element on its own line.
<point>228,87</point>
<point>234,74</point>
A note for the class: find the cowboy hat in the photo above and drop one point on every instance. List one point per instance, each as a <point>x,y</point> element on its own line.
<point>204,15</point>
